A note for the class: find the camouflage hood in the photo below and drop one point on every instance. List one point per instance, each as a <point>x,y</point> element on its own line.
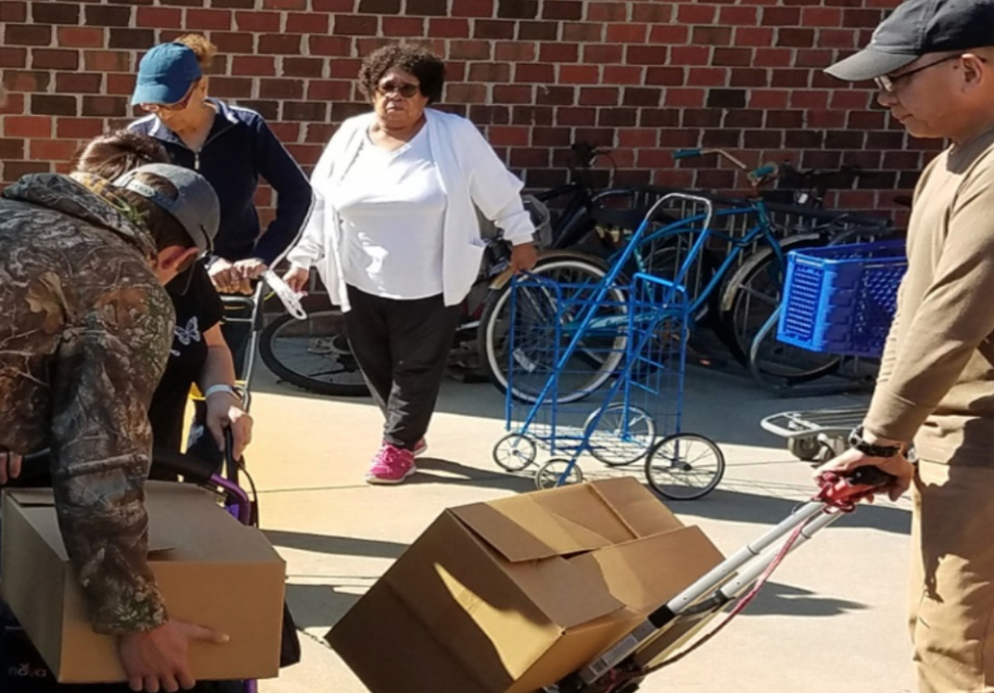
<point>89,199</point>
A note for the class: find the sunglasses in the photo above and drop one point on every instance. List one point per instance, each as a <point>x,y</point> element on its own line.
<point>405,89</point>
<point>169,108</point>
<point>890,84</point>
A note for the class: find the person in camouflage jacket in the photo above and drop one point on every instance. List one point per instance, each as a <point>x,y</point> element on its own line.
<point>84,338</point>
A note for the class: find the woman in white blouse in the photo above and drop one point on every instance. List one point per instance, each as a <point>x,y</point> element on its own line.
<point>395,236</point>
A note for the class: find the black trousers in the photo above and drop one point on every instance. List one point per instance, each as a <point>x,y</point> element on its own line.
<point>402,348</point>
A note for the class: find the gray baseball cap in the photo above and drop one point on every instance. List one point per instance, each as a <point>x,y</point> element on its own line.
<point>916,28</point>
<point>196,206</point>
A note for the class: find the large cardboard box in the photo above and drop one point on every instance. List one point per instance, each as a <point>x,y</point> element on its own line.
<point>512,595</point>
<point>211,569</point>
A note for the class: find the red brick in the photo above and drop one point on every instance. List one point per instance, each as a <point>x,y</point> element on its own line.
<point>54,60</point>
<point>515,51</point>
<point>279,44</point>
<point>690,55</point>
<point>286,132</point>
<point>707,77</point>
<point>13,57</point>
<point>579,74</point>
<point>258,21</point>
<point>809,99</point>
<point>509,136</point>
<point>652,13</point>
<point>465,93</point>
<point>602,53</point>
<point>781,16</point>
<point>535,72</point>
<point>607,11</point>
<point>836,38</point>
<point>431,8</point>
<point>231,87</point>
<point>665,76</point>
<point>107,61</point>
<point>711,36</point>
<point>821,17</point>
<point>492,29</point>
<point>26,80</point>
<point>107,15</point>
<point>814,59</point>
<point>622,74</point>
<point>626,33</point>
<point>330,45</point>
<point>738,15</point>
<point>343,69</point>
<point>54,13</point>
<point>53,150</point>
<point>470,50</point>
<point>285,4</point>
<point>773,57</point>
<point>448,28</point>
<point>599,96</point>
<point>559,52</point>
<point>79,83</point>
<point>14,149</point>
<point>403,26</point>
<point>209,19</point>
<point>334,5</point>
<point>645,55</point>
<point>584,32</point>
<point>13,170</point>
<point>791,78</point>
<point>159,17</point>
<point>826,119</point>
<point>253,65</point>
<point>696,14</point>
<point>490,72</point>
<point>27,35</point>
<point>379,6</point>
<point>233,42</point>
<point>638,138</point>
<point>753,36</point>
<point>472,8</point>
<point>513,93</point>
<point>30,127</point>
<point>13,104</point>
<point>685,98</point>
<point>355,25</point>
<point>850,99</point>
<point>576,116</point>
<point>11,11</point>
<point>329,90</point>
<point>671,34</point>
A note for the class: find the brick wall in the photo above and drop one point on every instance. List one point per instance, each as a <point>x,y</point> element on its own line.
<point>640,77</point>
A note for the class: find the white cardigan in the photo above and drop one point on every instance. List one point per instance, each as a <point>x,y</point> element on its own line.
<point>471,174</point>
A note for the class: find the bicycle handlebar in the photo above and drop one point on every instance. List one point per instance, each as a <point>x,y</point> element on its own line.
<point>756,176</point>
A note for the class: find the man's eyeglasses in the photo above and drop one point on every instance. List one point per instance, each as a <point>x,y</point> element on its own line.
<point>172,107</point>
<point>405,89</point>
<point>890,83</point>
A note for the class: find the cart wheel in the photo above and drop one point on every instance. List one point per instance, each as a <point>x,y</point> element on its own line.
<point>623,435</point>
<point>685,466</point>
<point>806,448</point>
<point>514,452</point>
<point>551,472</point>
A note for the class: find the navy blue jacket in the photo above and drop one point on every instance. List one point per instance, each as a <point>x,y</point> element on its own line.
<point>239,149</point>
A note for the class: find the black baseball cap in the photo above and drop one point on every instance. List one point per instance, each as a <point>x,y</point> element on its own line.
<point>916,28</point>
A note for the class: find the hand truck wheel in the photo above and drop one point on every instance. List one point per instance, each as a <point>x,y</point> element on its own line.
<point>685,466</point>
<point>805,448</point>
<point>622,436</point>
<point>514,452</point>
<point>551,472</point>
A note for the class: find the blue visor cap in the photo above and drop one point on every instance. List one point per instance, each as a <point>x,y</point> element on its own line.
<point>166,74</point>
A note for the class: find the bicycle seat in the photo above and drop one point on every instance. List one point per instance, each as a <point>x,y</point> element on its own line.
<point>619,218</point>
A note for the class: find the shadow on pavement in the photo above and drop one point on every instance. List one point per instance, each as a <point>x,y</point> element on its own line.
<point>325,543</point>
<point>735,506</point>
<point>776,599</point>
<point>318,606</point>
<point>437,471</point>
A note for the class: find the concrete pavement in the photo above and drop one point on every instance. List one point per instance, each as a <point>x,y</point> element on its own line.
<point>832,618</point>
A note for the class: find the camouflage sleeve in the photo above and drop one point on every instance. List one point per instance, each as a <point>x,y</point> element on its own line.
<point>107,368</point>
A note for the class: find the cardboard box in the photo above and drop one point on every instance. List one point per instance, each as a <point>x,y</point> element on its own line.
<point>513,595</point>
<point>211,569</point>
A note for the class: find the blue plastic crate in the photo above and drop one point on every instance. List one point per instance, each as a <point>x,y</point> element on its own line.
<point>841,299</point>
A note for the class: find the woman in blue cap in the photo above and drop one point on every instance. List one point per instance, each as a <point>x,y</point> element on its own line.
<point>231,147</point>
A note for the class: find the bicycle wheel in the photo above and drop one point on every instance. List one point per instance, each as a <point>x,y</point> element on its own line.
<point>749,298</point>
<point>514,452</point>
<point>313,354</point>
<point>551,472</point>
<point>598,355</point>
<point>623,435</point>
<point>684,466</point>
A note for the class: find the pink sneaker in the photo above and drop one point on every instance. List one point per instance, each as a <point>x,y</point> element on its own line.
<point>392,465</point>
<point>421,448</point>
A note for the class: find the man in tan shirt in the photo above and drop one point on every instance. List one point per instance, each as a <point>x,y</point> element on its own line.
<point>933,63</point>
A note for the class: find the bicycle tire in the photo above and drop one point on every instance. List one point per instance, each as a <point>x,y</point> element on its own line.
<point>681,464</point>
<point>740,317</point>
<point>491,338</point>
<point>313,379</point>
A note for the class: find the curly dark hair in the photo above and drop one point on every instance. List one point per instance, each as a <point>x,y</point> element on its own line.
<point>418,60</point>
